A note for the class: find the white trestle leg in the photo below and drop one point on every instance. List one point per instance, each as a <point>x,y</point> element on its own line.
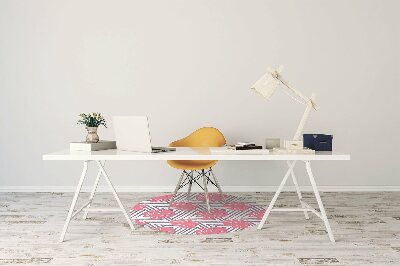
<point>96,182</point>
<point>278,191</point>
<point>71,209</point>
<point>305,207</point>
<point>298,191</point>
<point>128,219</point>
<point>320,205</point>
<point>86,207</point>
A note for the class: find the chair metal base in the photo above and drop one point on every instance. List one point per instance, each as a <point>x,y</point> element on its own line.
<point>190,177</point>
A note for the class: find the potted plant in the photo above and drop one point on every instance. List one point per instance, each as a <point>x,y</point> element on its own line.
<point>92,121</point>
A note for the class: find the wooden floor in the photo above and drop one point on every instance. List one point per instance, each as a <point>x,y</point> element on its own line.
<point>366,226</point>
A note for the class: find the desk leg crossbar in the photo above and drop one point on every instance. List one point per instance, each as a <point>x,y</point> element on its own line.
<point>86,207</point>
<point>305,207</point>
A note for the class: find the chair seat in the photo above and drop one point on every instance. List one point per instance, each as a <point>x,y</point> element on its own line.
<point>191,164</point>
<point>203,137</point>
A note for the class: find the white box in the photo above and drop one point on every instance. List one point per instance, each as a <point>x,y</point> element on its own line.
<point>293,144</point>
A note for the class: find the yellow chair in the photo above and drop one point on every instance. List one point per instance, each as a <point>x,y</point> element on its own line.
<point>193,170</point>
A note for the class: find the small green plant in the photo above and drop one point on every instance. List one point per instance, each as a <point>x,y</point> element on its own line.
<point>92,120</point>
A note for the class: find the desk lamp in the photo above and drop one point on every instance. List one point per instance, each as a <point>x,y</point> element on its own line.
<point>266,86</point>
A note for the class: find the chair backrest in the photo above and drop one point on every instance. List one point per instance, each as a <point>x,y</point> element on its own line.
<point>203,137</point>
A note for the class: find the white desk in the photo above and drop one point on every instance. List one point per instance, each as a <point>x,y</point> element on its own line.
<point>100,157</point>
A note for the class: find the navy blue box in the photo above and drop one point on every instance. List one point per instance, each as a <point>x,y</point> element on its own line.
<point>318,142</point>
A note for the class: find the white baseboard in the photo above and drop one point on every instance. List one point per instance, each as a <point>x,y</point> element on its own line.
<point>171,188</point>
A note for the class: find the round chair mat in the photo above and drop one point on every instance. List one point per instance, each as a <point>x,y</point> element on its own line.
<point>191,217</point>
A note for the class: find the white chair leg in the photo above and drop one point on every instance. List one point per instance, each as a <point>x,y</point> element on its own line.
<point>278,191</point>
<point>205,189</point>
<point>298,191</point>
<point>177,188</point>
<point>190,185</point>
<point>96,182</point>
<point>71,209</point>
<point>320,205</point>
<point>115,195</point>
<point>217,183</point>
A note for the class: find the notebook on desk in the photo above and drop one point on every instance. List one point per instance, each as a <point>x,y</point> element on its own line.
<point>132,133</point>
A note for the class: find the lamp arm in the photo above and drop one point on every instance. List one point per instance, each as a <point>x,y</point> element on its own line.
<point>309,102</point>
<point>297,92</point>
<point>310,105</point>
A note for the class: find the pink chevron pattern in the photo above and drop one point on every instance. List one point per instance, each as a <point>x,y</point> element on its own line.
<point>191,217</point>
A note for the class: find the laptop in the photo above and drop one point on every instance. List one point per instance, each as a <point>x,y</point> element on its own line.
<point>132,133</point>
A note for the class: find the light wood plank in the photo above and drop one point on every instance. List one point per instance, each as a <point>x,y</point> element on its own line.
<point>366,227</point>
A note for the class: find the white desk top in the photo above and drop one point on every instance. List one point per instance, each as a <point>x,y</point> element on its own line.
<point>189,154</point>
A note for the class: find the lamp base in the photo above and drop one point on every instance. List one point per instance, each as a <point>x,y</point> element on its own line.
<point>293,151</point>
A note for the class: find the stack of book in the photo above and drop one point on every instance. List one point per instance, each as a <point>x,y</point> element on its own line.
<point>98,146</point>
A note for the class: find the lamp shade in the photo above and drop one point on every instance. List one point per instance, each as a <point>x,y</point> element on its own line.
<point>267,84</point>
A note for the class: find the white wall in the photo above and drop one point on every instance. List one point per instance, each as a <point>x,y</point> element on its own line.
<point>188,64</point>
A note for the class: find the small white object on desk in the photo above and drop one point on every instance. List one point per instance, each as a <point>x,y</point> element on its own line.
<point>293,151</point>
<point>90,146</point>
<point>293,144</point>
<point>294,147</point>
<point>271,143</point>
<point>228,150</point>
